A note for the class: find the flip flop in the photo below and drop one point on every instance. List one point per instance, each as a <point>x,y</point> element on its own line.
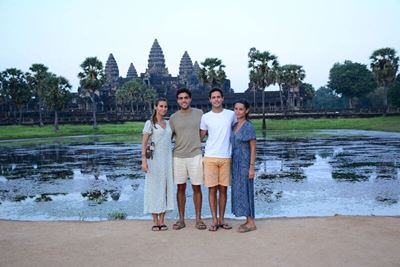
<point>178,225</point>
<point>155,228</point>
<point>213,227</point>
<point>163,227</point>
<point>201,225</point>
<point>245,229</point>
<point>225,226</point>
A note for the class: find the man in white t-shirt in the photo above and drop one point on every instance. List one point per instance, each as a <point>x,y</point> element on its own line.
<point>217,124</point>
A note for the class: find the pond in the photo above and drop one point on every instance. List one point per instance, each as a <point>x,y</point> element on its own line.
<point>321,173</point>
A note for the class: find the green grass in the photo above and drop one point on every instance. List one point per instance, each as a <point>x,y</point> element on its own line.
<point>390,124</point>
<point>132,131</point>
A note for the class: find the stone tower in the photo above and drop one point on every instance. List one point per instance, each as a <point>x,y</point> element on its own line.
<point>156,63</point>
<point>111,69</point>
<point>186,66</point>
<point>131,74</point>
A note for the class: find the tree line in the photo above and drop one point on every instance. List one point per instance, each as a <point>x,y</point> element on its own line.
<point>349,80</point>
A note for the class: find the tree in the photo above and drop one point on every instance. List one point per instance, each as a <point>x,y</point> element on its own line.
<point>212,73</point>
<point>351,79</point>
<point>149,96</point>
<point>326,98</point>
<point>292,76</point>
<point>91,80</point>
<point>307,93</point>
<point>394,93</point>
<point>133,91</point>
<point>37,83</point>
<point>263,70</point>
<point>384,65</point>
<point>16,89</point>
<point>57,96</point>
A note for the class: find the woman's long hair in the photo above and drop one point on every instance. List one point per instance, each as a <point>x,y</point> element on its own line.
<point>153,118</point>
<point>246,105</point>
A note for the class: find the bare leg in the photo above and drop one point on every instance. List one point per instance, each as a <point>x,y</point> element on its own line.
<point>181,199</point>
<point>212,198</point>
<point>250,222</point>
<point>161,217</point>
<point>222,203</point>
<point>197,200</point>
<point>155,218</point>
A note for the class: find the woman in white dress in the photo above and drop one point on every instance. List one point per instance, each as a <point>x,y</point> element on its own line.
<point>158,186</point>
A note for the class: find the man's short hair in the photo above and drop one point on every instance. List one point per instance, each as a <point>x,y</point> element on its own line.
<point>215,89</point>
<point>183,90</point>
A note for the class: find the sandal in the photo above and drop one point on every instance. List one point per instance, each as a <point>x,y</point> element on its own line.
<point>201,225</point>
<point>225,226</point>
<point>155,228</point>
<point>245,229</point>
<point>178,225</point>
<point>213,227</point>
<point>163,227</point>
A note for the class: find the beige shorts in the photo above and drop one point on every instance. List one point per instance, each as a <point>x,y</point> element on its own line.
<point>192,168</point>
<point>217,171</point>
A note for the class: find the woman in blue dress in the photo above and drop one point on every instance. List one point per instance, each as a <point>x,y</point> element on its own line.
<point>243,141</point>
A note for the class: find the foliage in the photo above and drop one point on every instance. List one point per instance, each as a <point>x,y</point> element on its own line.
<point>263,68</point>
<point>57,95</point>
<point>212,72</point>
<point>351,80</point>
<point>117,215</point>
<point>307,93</point>
<point>36,81</point>
<point>326,98</point>
<point>91,80</point>
<point>15,88</point>
<point>384,65</point>
<point>394,93</point>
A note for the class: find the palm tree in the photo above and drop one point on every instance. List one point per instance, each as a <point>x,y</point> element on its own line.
<point>212,73</point>
<point>149,95</point>
<point>91,80</point>
<point>263,66</point>
<point>36,82</point>
<point>15,88</point>
<point>293,75</point>
<point>384,65</point>
<point>57,95</point>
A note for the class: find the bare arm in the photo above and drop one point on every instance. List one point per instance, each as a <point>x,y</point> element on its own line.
<point>203,134</point>
<point>252,158</point>
<point>145,140</point>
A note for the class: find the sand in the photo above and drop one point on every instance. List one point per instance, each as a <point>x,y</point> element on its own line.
<point>325,241</point>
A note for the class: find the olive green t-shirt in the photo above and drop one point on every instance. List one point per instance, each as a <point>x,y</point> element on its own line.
<point>186,128</point>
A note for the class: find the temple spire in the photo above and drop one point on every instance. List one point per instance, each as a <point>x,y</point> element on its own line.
<point>111,69</point>
<point>131,74</point>
<point>156,62</point>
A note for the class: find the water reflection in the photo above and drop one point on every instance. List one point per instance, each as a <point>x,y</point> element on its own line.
<point>346,174</point>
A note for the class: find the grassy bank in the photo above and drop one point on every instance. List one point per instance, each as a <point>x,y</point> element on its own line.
<point>134,129</point>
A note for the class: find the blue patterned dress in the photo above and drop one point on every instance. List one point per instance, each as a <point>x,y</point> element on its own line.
<point>242,187</point>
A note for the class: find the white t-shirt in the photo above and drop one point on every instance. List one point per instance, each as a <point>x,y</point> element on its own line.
<point>219,127</point>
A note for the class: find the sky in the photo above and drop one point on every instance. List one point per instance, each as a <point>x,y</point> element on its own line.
<point>314,34</point>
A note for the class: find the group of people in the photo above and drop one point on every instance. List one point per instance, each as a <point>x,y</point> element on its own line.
<point>229,159</point>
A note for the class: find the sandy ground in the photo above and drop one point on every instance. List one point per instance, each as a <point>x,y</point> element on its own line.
<point>327,241</point>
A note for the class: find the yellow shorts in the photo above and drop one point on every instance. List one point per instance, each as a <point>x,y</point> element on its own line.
<point>217,171</point>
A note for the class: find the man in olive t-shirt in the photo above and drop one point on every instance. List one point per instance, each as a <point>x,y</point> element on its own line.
<point>188,162</point>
